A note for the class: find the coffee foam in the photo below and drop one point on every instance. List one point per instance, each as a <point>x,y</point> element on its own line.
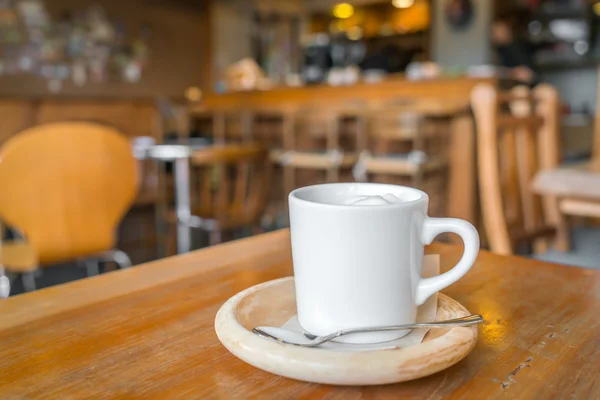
<point>376,200</point>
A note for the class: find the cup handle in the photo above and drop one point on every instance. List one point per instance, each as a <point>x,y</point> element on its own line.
<point>433,227</point>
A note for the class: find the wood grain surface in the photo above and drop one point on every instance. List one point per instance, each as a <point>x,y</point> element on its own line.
<point>394,88</point>
<point>273,303</point>
<point>147,332</point>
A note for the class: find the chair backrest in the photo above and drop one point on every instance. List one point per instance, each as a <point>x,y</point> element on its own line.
<point>404,144</point>
<point>596,149</point>
<point>312,142</point>
<point>323,126</point>
<point>421,125</point>
<point>67,186</point>
<point>517,135</point>
<point>233,182</point>
<point>393,130</point>
<point>313,129</point>
<point>226,126</point>
<point>269,125</point>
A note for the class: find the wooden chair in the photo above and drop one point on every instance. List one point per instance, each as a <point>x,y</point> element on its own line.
<point>517,135</point>
<point>312,146</point>
<point>231,185</point>
<point>404,145</point>
<point>576,188</point>
<point>268,130</point>
<point>225,126</point>
<point>66,186</point>
<point>596,149</point>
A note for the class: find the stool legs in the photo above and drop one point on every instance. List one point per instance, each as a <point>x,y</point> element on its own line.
<point>28,279</point>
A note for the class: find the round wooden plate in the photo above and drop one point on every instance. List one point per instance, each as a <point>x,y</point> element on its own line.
<point>273,303</point>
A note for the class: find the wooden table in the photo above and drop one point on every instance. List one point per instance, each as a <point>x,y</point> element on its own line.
<point>147,332</point>
<point>577,190</point>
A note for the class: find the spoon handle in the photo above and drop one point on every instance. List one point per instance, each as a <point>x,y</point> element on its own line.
<point>456,322</point>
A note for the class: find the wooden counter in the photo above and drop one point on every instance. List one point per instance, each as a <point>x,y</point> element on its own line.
<point>452,89</point>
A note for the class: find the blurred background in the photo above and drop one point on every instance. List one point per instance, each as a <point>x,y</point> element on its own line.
<point>135,130</point>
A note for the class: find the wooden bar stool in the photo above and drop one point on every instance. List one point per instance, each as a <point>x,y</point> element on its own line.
<point>225,126</point>
<point>221,126</point>
<point>231,184</point>
<point>269,127</point>
<point>313,152</point>
<point>402,145</point>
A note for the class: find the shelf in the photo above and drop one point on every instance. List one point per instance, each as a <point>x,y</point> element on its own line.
<point>558,64</point>
<point>557,12</point>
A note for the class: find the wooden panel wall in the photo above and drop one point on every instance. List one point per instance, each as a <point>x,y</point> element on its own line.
<point>132,118</point>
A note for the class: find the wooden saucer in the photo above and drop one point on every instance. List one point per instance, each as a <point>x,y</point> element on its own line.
<point>273,303</point>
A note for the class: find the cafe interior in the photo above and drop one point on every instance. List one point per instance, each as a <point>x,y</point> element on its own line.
<point>141,132</point>
<point>228,106</point>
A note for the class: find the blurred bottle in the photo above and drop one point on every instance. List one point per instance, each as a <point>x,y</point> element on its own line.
<point>317,59</point>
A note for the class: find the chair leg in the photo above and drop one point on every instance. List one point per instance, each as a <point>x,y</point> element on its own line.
<point>257,229</point>
<point>92,267</point>
<point>215,237</point>
<point>163,236</point>
<point>562,242</point>
<point>540,246</point>
<point>5,282</point>
<point>92,264</point>
<point>118,256</point>
<point>28,279</point>
<point>4,286</point>
<point>121,258</point>
<point>170,244</point>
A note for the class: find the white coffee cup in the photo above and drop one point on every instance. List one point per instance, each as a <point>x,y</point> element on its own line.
<point>359,265</point>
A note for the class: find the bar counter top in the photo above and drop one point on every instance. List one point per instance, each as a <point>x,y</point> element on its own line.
<point>457,88</point>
